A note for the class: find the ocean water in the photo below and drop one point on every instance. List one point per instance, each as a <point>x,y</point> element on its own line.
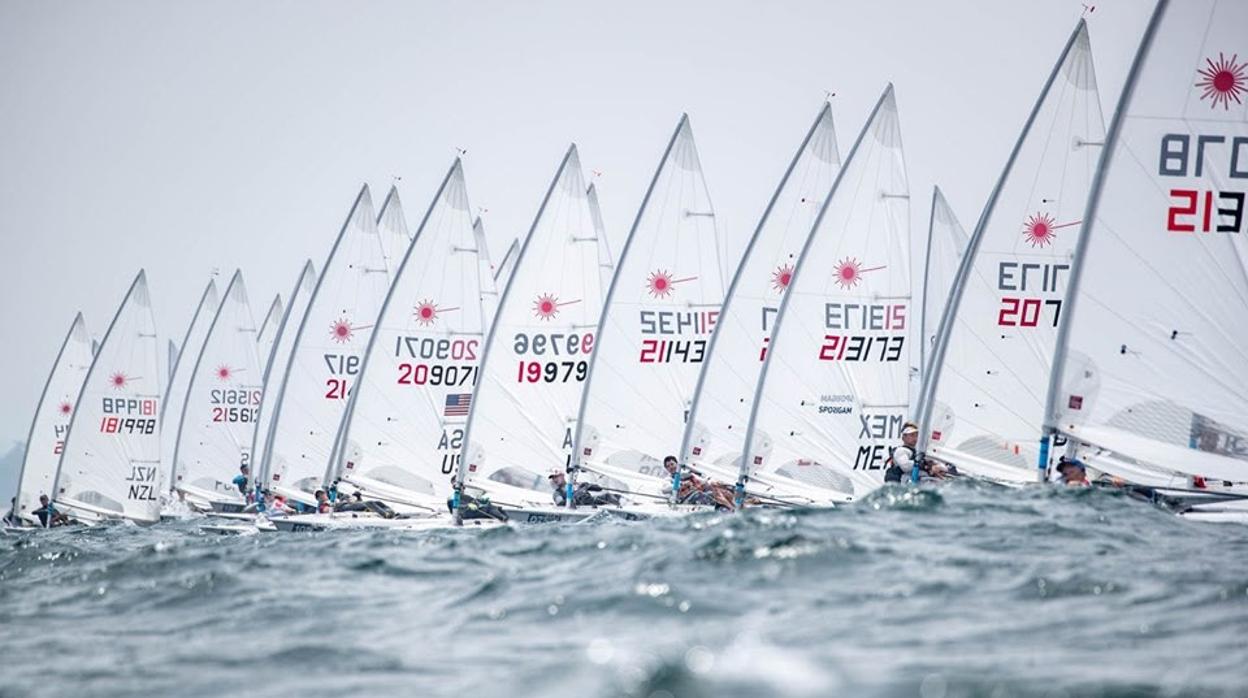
<point>966,590</point>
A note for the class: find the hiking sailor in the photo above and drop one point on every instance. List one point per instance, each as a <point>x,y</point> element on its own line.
<point>692,488</point>
<point>243,482</point>
<point>584,495</point>
<point>1072,472</point>
<point>901,464</point>
<point>48,514</point>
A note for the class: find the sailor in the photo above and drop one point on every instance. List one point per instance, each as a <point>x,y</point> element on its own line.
<point>584,495</point>
<point>10,519</point>
<point>901,462</point>
<point>323,505</point>
<point>48,515</point>
<point>694,489</point>
<point>1072,472</point>
<point>243,482</point>
<point>475,507</point>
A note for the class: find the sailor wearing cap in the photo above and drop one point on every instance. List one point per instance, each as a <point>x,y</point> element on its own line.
<point>901,462</point>
<point>1072,472</point>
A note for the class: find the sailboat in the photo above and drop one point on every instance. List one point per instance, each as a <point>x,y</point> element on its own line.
<point>536,359</point>
<point>403,427</point>
<point>984,399</point>
<point>328,348</point>
<point>1148,381</point>
<point>46,439</point>
<point>217,422</point>
<point>180,377</point>
<point>833,392</point>
<point>267,334</point>
<point>275,362</point>
<point>661,309</point>
<point>110,465</point>
<point>714,437</point>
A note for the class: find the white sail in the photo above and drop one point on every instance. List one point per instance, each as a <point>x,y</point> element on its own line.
<point>404,426</point>
<point>267,335</point>
<point>946,244</point>
<point>660,312</point>
<point>218,419</point>
<point>329,346</point>
<point>485,273</point>
<point>834,389</point>
<point>716,429</point>
<point>502,274</point>
<point>536,360</point>
<point>276,361</point>
<point>1154,340</point>
<point>46,440</point>
<point>992,362</point>
<point>180,377</point>
<point>606,263</point>
<point>111,462</point>
<point>393,232</point>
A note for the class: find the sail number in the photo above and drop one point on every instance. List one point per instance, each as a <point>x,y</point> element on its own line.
<point>861,347</point>
<point>672,351</point>
<point>1203,210</point>
<point>551,371</point>
<point>436,348</point>
<point>437,374</point>
<point>234,397</point>
<point>338,388</point>
<point>1026,312</point>
<point>233,415</point>
<point>127,425</point>
<point>556,343</point>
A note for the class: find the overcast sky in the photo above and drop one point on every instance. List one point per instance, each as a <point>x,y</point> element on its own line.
<point>187,137</point>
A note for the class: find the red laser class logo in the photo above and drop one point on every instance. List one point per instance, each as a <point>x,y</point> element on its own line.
<point>660,282</point>
<point>1039,230</point>
<point>224,373</point>
<point>66,408</point>
<point>547,305</point>
<point>782,277</point>
<point>426,312</point>
<point>341,331</point>
<point>849,272</point>
<point>119,380</point>
<point>1223,81</point>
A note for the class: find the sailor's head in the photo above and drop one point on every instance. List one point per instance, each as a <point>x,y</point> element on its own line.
<point>669,464</point>
<point>357,496</point>
<point>320,494</point>
<point>43,499</point>
<point>557,479</point>
<point>1069,467</point>
<point>244,469</point>
<point>910,434</point>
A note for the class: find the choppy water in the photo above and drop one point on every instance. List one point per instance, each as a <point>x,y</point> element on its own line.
<point>965,591</point>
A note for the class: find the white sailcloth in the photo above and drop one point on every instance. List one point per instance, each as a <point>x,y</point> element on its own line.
<point>404,427</point>
<point>834,389</point>
<point>218,419</point>
<point>111,462</point>
<point>503,273</point>
<point>1154,341</point>
<point>172,360</point>
<point>660,312</point>
<point>276,361</point>
<point>46,440</point>
<point>536,360</point>
<point>606,263</point>
<point>993,361</point>
<point>326,356</point>
<point>180,377</point>
<point>392,229</point>
<point>946,244</point>
<point>721,409</point>
<point>267,335</point>
<point>485,273</point>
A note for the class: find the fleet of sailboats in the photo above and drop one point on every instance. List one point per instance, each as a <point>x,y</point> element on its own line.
<point>1093,316</point>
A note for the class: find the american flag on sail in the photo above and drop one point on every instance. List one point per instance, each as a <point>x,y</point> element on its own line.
<point>457,405</point>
